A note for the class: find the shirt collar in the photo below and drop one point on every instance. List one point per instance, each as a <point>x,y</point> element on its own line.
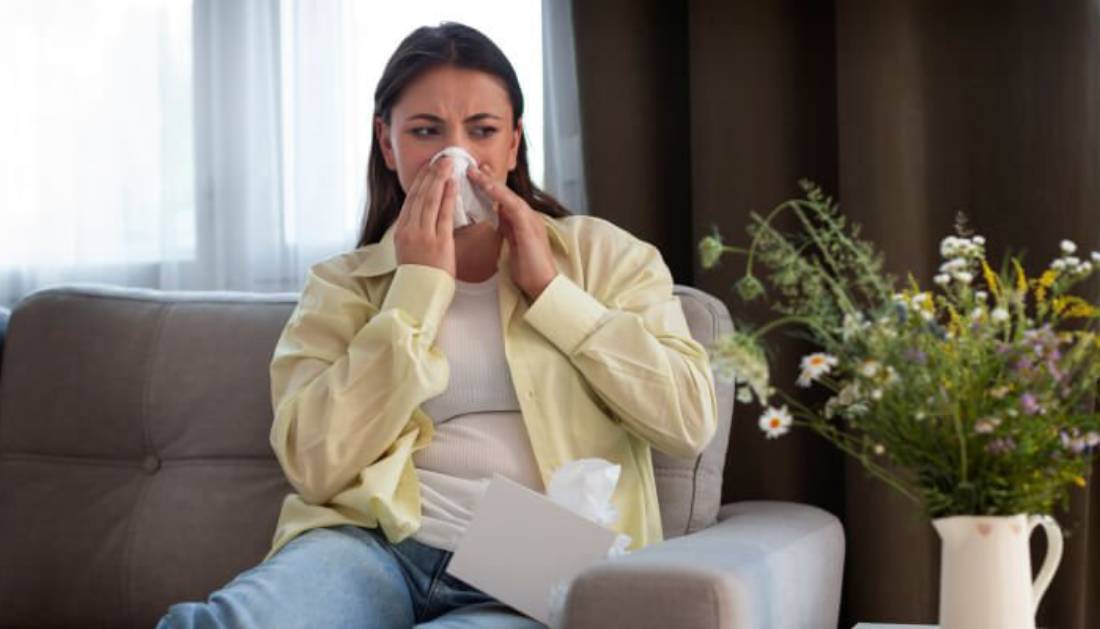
<point>384,258</point>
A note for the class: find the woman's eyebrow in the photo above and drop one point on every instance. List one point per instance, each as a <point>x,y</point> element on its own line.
<point>472,118</point>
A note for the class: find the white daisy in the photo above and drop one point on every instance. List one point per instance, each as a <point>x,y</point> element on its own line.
<point>869,368</point>
<point>948,246</point>
<point>986,425</point>
<point>814,366</point>
<point>1068,247</point>
<point>775,421</point>
<point>999,315</point>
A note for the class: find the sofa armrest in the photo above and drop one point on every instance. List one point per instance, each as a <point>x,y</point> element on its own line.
<point>764,564</point>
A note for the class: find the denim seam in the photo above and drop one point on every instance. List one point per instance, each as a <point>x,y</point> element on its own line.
<point>436,578</point>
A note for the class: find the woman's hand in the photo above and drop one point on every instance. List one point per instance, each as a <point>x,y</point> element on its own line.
<point>531,260</point>
<point>425,227</point>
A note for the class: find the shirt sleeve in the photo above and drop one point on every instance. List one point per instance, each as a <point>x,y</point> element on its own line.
<point>636,351</point>
<point>346,376</point>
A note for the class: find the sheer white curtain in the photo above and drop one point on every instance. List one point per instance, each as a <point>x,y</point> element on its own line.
<point>222,145</point>
<point>96,164</point>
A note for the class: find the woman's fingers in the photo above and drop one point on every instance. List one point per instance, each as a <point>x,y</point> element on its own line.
<point>432,193</point>
<point>445,224</point>
<point>410,213</point>
<point>483,178</point>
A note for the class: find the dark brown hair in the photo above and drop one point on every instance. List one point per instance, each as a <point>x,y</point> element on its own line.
<point>428,47</point>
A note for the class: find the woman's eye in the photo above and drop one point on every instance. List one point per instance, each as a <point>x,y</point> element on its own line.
<point>424,132</point>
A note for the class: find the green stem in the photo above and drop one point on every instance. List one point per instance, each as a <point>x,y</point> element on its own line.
<point>884,290</point>
<point>823,428</point>
<point>838,289</point>
<point>791,319</point>
<point>962,441</point>
<point>834,436</point>
<point>873,468</point>
<point>732,249</point>
<point>766,221</point>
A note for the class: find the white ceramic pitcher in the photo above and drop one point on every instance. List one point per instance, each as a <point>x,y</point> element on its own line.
<point>985,572</point>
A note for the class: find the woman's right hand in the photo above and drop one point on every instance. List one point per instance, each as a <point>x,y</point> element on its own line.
<point>425,227</point>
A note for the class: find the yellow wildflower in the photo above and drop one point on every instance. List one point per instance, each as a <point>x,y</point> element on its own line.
<point>1072,307</point>
<point>1021,278</point>
<point>991,279</point>
<point>1044,284</point>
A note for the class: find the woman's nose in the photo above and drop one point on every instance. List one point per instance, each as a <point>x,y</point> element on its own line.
<point>457,137</point>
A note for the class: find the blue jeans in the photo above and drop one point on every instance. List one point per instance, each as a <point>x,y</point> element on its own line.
<point>343,577</point>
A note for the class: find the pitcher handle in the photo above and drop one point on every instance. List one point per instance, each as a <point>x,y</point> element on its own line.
<point>1052,559</point>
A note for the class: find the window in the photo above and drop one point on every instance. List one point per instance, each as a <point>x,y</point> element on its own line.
<point>96,164</point>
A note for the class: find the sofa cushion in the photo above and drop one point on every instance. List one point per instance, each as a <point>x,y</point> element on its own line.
<point>135,470</point>
<point>135,467</point>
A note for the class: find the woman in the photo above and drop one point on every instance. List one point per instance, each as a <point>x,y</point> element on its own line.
<point>429,358</point>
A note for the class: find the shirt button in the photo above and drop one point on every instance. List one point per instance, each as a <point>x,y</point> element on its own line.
<point>530,394</point>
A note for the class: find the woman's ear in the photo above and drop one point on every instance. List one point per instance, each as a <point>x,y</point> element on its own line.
<point>513,149</point>
<point>382,134</point>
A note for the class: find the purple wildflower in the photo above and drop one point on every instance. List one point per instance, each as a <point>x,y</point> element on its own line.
<point>1001,444</point>
<point>915,355</point>
<point>1055,373</point>
<point>1029,403</point>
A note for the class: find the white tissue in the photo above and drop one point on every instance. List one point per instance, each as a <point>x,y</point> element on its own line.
<point>585,486</point>
<point>471,204</point>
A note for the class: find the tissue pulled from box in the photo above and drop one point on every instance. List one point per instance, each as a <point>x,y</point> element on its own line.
<point>471,204</point>
<point>585,486</point>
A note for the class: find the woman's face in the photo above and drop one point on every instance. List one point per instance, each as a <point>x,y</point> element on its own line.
<point>449,106</point>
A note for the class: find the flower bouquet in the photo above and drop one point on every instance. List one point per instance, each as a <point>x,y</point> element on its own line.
<point>973,397</point>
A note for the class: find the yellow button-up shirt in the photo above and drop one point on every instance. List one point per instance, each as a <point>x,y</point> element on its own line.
<point>603,364</point>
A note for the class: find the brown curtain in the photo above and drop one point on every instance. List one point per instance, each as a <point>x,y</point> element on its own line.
<point>697,112</point>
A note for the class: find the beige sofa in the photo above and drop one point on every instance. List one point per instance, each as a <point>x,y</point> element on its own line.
<point>135,472</point>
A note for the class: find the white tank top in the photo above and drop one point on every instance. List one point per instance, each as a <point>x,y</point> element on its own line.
<point>479,427</point>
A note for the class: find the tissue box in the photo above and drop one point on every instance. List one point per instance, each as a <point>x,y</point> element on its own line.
<point>520,545</point>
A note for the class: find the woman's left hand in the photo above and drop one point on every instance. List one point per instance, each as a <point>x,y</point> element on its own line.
<point>531,260</point>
